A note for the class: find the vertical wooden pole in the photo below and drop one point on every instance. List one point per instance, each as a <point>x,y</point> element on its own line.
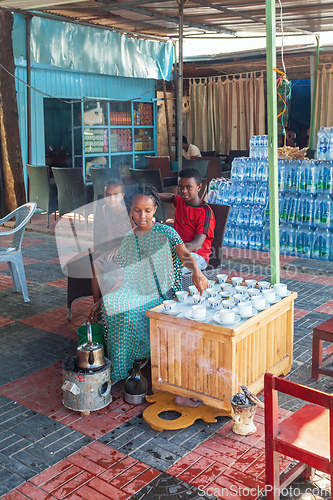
<point>180,87</point>
<point>10,148</point>
<point>272,141</point>
<point>167,122</point>
<point>312,142</point>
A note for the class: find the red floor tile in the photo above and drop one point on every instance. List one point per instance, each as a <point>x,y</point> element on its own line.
<point>5,321</point>
<point>5,281</point>
<point>326,308</point>
<point>107,489</point>
<point>141,481</point>
<point>299,313</point>
<point>184,463</point>
<point>58,283</point>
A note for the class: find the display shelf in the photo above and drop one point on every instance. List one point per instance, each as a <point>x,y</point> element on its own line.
<point>113,133</point>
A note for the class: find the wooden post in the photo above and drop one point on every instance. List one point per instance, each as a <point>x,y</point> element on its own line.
<point>312,141</point>
<point>10,145</point>
<point>272,142</point>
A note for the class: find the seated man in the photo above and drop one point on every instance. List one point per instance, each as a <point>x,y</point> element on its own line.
<point>190,151</point>
<point>194,219</point>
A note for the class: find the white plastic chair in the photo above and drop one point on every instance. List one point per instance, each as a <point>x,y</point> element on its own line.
<point>13,254</point>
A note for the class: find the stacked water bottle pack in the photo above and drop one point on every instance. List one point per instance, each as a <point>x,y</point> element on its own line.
<point>325,144</point>
<point>305,206</point>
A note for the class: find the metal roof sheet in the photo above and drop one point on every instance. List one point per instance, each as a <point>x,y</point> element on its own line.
<point>159,18</point>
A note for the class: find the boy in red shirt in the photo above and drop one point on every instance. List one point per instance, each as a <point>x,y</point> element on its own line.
<point>194,219</point>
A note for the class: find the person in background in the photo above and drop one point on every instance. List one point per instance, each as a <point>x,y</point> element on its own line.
<point>111,224</point>
<point>190,151</point>
<point>194,219</point>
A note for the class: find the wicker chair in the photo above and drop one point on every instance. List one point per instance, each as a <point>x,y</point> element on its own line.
<point>221,213</point>
<point>41,191</point>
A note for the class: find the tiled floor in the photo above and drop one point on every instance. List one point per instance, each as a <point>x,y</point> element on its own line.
<point>50,452</point>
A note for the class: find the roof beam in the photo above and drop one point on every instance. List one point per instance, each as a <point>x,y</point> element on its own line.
<point>225,10</point>
<point>173,20</point>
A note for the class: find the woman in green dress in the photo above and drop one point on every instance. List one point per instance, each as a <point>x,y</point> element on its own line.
<point>151,257</point>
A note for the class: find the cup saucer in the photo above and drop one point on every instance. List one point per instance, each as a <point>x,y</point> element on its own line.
<point>175,312</point>
<point>247,316</point>
<point>226,323</point>
<point>277,299</point>
<point>285,294</point>
<point>259,309</point>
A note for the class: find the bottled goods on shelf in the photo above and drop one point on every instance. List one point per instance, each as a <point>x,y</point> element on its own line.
<point>305,206</point>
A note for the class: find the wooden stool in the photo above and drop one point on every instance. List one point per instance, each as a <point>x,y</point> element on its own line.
<point>321,333</point>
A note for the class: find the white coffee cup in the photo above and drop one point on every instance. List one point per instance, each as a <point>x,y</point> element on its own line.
<point>181,296</point>
<point>253,291</point>
<point>245,308</point>
<point>263,285</point>
<point>269,295</point>
<point>169,305</point>
<point>227,315</point>
<point>212,292</point>
<point>222,278</point>
<point>211,283</point>
<point>226,287</point>
<point>239,297</point>
<point>241,289</point>
<point>198,311</point>
<point>192,289</point>
<point>213,302</point>
<point>228,304</point>
<point>280,289</point>
<point>258,302</point>
<point>197,298</point>
<point>250,283</point>
<point>237,280</point>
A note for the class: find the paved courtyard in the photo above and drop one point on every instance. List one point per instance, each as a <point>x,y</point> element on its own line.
<point>50,452</point>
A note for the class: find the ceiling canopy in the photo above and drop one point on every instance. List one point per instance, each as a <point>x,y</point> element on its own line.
<point>159,18</point>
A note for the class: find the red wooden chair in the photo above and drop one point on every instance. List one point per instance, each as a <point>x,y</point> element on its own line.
<point>304,436</point>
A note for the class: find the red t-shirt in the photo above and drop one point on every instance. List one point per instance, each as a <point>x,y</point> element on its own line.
<point>190,221</point>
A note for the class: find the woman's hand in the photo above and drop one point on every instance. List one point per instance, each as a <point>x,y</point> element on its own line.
<point>93,312</point>
<point>199,280</point>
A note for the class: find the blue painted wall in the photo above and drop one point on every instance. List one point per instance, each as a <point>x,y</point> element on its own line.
<point>63,83</point>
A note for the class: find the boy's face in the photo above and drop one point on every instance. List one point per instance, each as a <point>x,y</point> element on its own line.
<point>113,196</point>
<point>188,188</point>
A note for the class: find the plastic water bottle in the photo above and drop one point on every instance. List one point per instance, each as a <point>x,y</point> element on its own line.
<point>282,175</point>
<point>328,177</point>
<point>252,239</point>
<point>323,211</point>
<point>229,238</point>
<point>258,237</point>
<point>321,244</point>
<point>285,207</point>
<point>304,241</point>
<point>233,214</point>
<point>245,238</point>
<point>262,170</point>
<point>254,147</point>
<point>287,239</point>
<point>266,237</point>
<point>322,144</point>
<point>220,188</point>
<point>329,154</point>
<point>312,177</point>
<point>289,175</point>
<point>257,215</point>
<point>237,169</point>
<point>212,191</point>
<point>293,209</point>
<point>303,177</point>
<point>321,177</point>
<point>261,194</point>
<point>305,212</point>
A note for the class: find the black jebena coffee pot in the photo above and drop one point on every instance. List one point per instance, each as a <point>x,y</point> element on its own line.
<point>136,385</point>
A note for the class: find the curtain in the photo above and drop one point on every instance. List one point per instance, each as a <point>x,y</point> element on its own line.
<point>226,111</point>
<point>324,100</point>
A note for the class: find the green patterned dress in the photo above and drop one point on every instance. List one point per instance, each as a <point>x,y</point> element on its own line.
<point>152,273</point>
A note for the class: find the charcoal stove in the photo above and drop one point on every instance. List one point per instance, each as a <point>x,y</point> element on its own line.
<point>85,390</point>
